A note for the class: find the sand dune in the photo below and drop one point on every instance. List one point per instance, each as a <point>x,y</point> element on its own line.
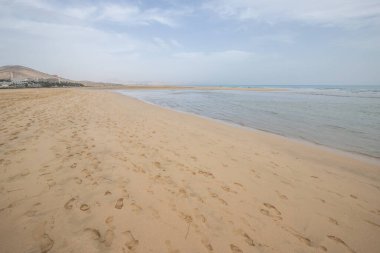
<point>92,171</point>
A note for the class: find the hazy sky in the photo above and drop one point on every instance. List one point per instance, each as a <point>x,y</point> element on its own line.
<point>203,42</point>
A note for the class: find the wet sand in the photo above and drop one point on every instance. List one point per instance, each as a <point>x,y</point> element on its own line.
<point>183,87</point>
<point>93,171</point>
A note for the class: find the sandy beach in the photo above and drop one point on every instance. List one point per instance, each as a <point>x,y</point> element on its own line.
<point>86,170</point>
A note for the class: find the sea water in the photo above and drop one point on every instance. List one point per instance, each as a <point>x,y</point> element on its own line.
<point>342,117</point>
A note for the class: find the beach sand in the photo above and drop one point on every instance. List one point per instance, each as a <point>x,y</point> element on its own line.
<point>93,171</point>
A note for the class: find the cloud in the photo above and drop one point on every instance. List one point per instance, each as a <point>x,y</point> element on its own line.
<point>227,55</point>
<point>134,15</point>
<point>166,44</point>
<point>344,13</point>
<point>277,38</point>
<point>84,12</point>
<point>41,4</point>
<point>43,31</point>
<point>90,12</point>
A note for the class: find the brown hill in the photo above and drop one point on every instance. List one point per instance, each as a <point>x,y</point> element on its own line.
<point>20,73</point>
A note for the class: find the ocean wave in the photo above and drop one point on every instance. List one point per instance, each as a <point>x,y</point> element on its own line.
<point>339,93</point>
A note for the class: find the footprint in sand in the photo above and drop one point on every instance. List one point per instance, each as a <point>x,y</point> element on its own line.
<point>216,196</point>
<point>271,211</point>
<point>240,185</point>
<point>95,234</point>
<point>84,207</point>
<point>201,217</point>
<point>31,213</point>
<point>227,189</point>
<point>334,221</point>
<point>69,204</point>
<point>248,240</point>
<point>154,212</point>
<point>372,223</point>
<point>78,180</point>
<point>170,248</point>
<point>157,164</point>
<point>131,242</point>
<point>340,241</point>
<point>108,237</point>
<point>207,244</point>
<point>186,217</point>
<point>136,208</point>
<point>119,204</point>
<point>282,196</point>
<point>182,193</point>
<point>109,220</point>
<point>46,243</point>
<point>206,173</point>
<point>299,236</point>
<point>51,182</point>
<point>235,249</point>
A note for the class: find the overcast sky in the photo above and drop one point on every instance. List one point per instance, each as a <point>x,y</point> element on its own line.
<point>200,42</point>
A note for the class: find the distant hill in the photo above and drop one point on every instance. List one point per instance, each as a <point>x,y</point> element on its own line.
<point>21,73</point>
<point>16,73</point>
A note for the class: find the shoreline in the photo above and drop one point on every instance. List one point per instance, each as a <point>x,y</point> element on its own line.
<point>187,87</point>
<point>352,154</point>
<point>94,171</point>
